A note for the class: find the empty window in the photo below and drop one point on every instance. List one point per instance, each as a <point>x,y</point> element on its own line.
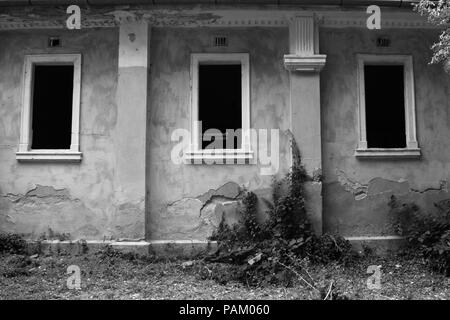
<point>220,101</point>
<point>51,108</point>
<point>386,107</point>
<point>220,105</point>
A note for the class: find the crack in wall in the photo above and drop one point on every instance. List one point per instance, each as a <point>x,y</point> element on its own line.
<point>442,187</point>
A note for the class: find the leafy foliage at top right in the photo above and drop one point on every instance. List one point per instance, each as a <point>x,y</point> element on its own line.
<point>438,13</point>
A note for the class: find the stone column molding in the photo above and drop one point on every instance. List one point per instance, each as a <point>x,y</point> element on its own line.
<point>304,63</point>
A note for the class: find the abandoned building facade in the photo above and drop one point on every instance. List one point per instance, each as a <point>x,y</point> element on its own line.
<point>87,116</point>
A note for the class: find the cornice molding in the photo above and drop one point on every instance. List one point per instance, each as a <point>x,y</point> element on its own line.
<point>386,23</point>
<point>206,18</point>
<point>18,25</point>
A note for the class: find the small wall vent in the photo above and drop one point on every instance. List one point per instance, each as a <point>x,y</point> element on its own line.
<point>54,42</point>
<point>383,42</point>
<point>220,41</point>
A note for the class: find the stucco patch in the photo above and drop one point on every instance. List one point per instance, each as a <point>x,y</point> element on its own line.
<point>212,213</point>
<point>197,218</point>
<point>370,213</point>
<point>127,220</point>
<point>132,37</point>
<point>89,230</point>
<point>357,189</point>
<point>40,194</point>
<point>181,220</point>
<point>184,206</point>
<point>229,190</point>
<point>46,208</point>
<point>377,186</point>
<point>219,209</point>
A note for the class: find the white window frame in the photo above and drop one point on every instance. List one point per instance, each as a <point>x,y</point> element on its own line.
<point>412,149</point>
<point>195,152</point>
<point>25,153</point>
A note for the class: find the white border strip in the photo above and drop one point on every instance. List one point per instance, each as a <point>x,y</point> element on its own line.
<point>371,238</point>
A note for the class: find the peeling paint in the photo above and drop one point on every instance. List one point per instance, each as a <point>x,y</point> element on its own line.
<point>230,190</point>
<point>378,186</point>
<point>27,213</point>
<point>111,15</point>
<point>197,217</point>
<point>208,192</point>
<point>184,202</point>
<point>132,37</point>
<point>369,214</point>
<point>357,189</point>
<point>84,199</point>
<point>43,192</point>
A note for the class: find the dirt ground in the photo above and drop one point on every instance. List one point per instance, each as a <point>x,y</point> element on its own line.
<point>106,276</point>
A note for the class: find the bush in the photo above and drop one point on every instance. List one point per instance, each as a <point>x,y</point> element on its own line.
<point>16,265</point>
<point>427,235</point>
<point>12,243</point>
<point>278,250</point>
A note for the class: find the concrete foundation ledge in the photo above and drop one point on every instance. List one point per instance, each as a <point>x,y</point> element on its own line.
<point>380,245</point>
<point>181,248</point>
<point>75,247</point>
<point>159,248</point>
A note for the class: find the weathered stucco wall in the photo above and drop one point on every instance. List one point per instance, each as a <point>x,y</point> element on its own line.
<point>74,198</point>
<point>187,201</point>
<point>356,191</point>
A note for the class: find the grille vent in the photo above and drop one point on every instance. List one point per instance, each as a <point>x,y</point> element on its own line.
<point>220,41</point>
<point>383,42</point>
<point>54,42</point>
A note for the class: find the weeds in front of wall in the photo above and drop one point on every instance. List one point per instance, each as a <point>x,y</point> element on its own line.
<point>427,235</point>
<point>279,250</point>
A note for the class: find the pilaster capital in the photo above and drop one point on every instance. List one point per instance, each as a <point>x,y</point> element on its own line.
<point>304,45</point>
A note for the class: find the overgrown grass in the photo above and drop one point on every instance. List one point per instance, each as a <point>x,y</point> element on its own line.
<point>109,274</point>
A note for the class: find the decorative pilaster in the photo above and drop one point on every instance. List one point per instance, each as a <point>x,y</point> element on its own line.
<point>304,63</point>
<point>130,129</point>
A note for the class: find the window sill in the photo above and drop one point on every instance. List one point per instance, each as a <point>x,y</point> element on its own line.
<point>385,153</point>
<point>49,156</point>
<point>219,157</point>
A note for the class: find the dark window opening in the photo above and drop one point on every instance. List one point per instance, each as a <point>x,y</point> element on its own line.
<point>220,101</point>
<point>52,106</point>
<point>385,106</point>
